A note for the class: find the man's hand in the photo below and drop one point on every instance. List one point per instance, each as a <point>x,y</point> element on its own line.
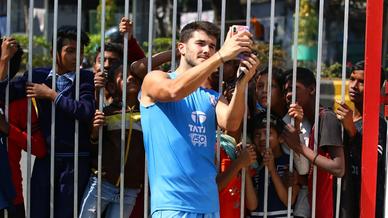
<point>249,65</point>
<point>290,179</point>
<point>126,26</point>
<point>291,136</point>
<point>98,121</point>
<point>236,44</point>
<point>99,80</point>
<point>8,48</point>
<point>345,115</point>
<point>247,156</point>
<point>42,91</point>
<point>296,111</point>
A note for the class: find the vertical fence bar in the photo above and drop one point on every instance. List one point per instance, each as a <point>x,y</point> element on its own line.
<point>101,108</point>
<point>386,174</point>
<point>6,111</point>
<point>77,82</point>
<point>30,33</point>
<point>53,86</point>
<point>220,79</point>
<point>318,90</point>
<point>149,67</point>
<point>373,44</point>
<point>134,15</point>
<point>199,9</point>
<point>174,22</point>
<point>269,91</point>
<point>46,21</point>
<point>244,138</point>
<point>343,85</point>
<point>293,100</point>
<point>7,32</point>
<point>123,112</point>
<point>385,43</point>
<point>8,20</point>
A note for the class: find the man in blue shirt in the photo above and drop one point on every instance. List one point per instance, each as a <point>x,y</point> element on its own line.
<point>67,111</point>
<point>180,113</point>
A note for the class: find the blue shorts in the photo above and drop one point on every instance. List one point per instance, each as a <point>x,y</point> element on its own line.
<point>183,214</point>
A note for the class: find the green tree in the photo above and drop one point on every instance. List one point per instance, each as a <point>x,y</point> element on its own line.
<point>110,11</point>
<point>308,24</point>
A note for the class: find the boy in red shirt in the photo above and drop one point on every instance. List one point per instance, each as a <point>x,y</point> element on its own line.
<point>229,180</point>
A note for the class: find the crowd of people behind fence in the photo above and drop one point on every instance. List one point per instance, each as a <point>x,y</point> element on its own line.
<point>171,120</point>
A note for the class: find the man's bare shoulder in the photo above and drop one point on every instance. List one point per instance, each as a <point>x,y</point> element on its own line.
<point>154,77</point>
<point>151,84</point>
<point>156,73</point>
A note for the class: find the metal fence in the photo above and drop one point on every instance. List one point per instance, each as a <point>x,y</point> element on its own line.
<point>373,13</point>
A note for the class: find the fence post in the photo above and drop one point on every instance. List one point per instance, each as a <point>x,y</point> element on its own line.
<point>373,46</point>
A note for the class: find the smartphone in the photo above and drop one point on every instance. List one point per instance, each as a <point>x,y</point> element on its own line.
<point>239,28</point>
<point>235,30</point>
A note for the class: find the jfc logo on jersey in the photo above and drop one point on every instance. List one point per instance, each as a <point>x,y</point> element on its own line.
<point>198,117</point>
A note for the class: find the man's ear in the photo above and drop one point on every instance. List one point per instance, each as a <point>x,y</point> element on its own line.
<point>58,58</point>
<point>181,48</point>
<point>312,90</point>
<point>281,140</point>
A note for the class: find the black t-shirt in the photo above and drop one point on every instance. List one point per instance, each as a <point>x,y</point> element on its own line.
<point>351,182</point>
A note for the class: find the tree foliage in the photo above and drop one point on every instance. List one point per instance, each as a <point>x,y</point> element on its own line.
<point>308,23</point>
<point>110,10</point>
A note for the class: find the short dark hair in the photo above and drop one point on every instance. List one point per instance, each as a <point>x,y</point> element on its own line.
<point>112,47</point>
<point>209,28</point>
<point>361,66</point>
<point>14,63</point>
<point>259,121</point>
<point>70,32</point>
<point>116,37</point>
<point>277,75</point>
<point>303,75</point>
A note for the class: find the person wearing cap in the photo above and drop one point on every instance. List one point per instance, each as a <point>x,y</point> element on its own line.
<point>179,119</point>
<point>352,123</point>
<point>277,163</point>
<point>280,106</point>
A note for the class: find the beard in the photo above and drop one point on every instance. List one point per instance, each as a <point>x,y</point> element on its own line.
<point>191,62</point>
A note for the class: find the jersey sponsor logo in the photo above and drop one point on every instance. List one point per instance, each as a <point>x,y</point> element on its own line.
<point>213,100</point>
<point>198,139</point>
<point>197,130</point>
<point>198,117</point>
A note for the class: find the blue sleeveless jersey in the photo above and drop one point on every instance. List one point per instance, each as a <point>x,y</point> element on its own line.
<point>179,143</point>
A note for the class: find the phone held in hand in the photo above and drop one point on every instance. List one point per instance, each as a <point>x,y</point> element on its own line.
<point>235,30</point>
